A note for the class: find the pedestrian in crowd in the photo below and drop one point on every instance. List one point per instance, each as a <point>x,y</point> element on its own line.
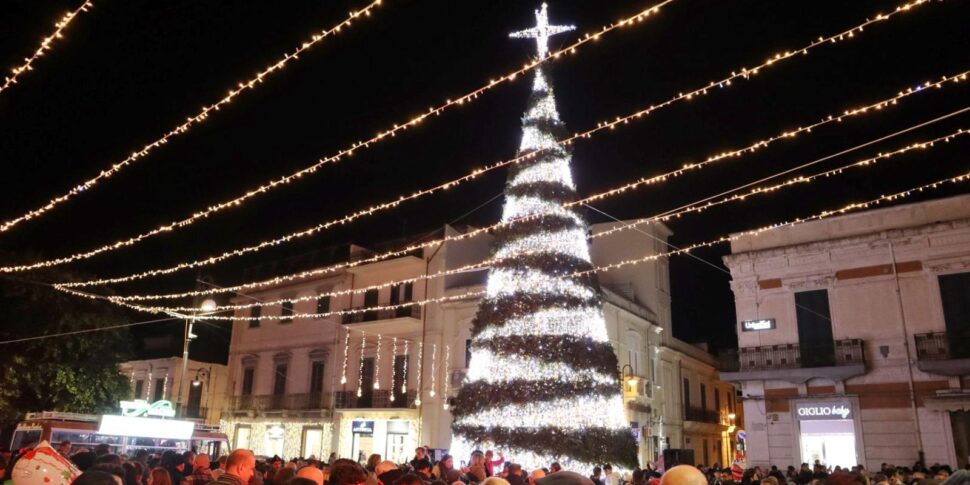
<point>311,473</point>
<point>201,474</point>
<point>515,475</point>
<point>102,449</point>
<point>536,475</point>
<point>423,470</point>
<point>555,467</point>
<point>173,463</point>
<point>609,478</point>
<point>597,477</point>
<point>445,465</point>
<point>240,468</point>
<point>64,448</point>
<point>133,473</point>
<point>409,479</point>
<point>159,476</point>
<point>222,467</point>
<point>96,477</point>
<point>494,480</point>
<point>475,471</point>
<point>347,474</point>
<point>372,462</point>
<point>490,464</point>
<point>420,455</point>
<point>387,472</point>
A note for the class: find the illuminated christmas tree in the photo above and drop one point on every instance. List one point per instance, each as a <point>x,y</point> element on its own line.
<point>542,384</point>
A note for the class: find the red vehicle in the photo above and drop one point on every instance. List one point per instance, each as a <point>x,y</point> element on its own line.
<point>82,430</point>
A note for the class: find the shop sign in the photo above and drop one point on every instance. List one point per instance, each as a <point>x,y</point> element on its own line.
<point>146,427</point>
<point>141,407</point>
<point>361,426</point>
<point>841,410</point>
<point>757,325</point>
<point>742,435</point>
<point>635,426</point>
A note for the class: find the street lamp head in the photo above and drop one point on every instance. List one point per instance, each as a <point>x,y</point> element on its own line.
<point>196,382</point>
<point>208,305</point>
<point>732,416</point>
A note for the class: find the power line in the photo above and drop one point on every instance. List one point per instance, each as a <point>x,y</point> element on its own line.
<point>88,330</point>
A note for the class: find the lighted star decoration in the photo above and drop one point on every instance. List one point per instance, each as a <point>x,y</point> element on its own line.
<point>542,31</point>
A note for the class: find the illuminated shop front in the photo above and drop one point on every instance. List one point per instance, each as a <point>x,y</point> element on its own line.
<point>285,438</point>
<point>393,435</point>
<point>827,432</point>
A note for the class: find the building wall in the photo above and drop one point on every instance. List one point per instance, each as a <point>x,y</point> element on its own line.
<point>214,385</point>
<point>880,269</point>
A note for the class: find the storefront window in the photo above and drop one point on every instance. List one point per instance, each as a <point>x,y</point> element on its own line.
<point>274,441</point>
<point>312,442</point>
<point>827,433</point>
<point>242,436</point>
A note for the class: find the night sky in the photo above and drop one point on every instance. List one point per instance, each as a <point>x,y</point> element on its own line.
<point>131,70</point>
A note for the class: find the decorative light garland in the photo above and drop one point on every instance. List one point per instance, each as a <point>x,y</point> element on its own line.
<point>360,372</point>
<point>525,284</point>
<point>434,368</point>
<point>404,371</point>
<point>343,374</point>
<point>684,249</point>
<point>347,152</point>
<point>873,107</point>
<point>745,73</point>
<point>178,130</point>
<point>393,365</point>
<point>45,45</point>
<point>417,400</point>
<point>377,363</point>
<point>447,365</point>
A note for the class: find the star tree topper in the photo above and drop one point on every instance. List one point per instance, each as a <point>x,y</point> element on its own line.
<point>542,31</point>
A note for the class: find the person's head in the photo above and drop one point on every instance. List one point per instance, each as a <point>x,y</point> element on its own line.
<point>116,470</point>
<point>241,464</point>
<point>596,471</point>
<point>310,473</point>
<point>419,453</point>
<point>447,462</point>
<point>453,475</point>
<point>276,463</point>
<point>488,454</point>
<point>423,467</point>
<point>495,481</point>
<point>515,469</point>
<point>84,460</point>
<point>102,449</point>
<point>347,474</point>
<point>769,481</point>
<point>608,469</point>
<point>297,480</point>
<point>536,475</point>
<point>159,476</point>
<point>132,473</point>
<point>222,462</point>
<point>65,447</point>
<point>384,467</point>
<point>372,461</point>
<point>408,479</point>
<point>555,467</point>
<point>284,474</point>
<point>845,478</point>
<point>683,475</point>
<point>201,462</point>
<point>97,477</point>
<point>477,458</point>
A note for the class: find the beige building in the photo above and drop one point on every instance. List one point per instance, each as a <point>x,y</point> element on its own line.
<point>295,393</point>
<point>203,390</point>
<point>853,335</point>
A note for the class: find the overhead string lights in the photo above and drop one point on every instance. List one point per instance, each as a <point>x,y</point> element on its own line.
<point>45,45</point>
<point>279,182</point>
<point>852,207</point>
<point>744,73</point>
<point>699,206</point>
<point>875,107</point>
<point>191,121</point>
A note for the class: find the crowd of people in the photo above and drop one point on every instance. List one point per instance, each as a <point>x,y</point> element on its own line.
<point>241,467</point>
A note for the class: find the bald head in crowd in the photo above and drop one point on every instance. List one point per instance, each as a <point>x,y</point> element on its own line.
<point>241,464</point>
<point>312,473</point>
<point>683,475</point>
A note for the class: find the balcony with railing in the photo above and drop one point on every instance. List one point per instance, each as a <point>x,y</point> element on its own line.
<point>280,403</point>
<point>794,362</point>
<point>397,320</point>
<point>701,415</point>
<point>376,399</point>
<point>938,353</point>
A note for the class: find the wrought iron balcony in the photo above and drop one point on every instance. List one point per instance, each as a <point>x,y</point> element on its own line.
<point>940,354</point>
<point>701,415</point>
<point>795,362</point>
<point>366,315</point>
<point>281,402</point>
<point>375,399</point>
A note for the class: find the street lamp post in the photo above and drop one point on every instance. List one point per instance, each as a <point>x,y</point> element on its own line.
<point>207,307</point>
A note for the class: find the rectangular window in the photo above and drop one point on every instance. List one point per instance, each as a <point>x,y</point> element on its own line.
<point>323,305</point>
<point>366,398</point>
<point>279,380</point>
<point>396,294</point>
<point>316,377</point>
<point>312,442</point>
<point>286,310</point>
<point>249,374</point>
<point>955,294</point>
<point>703,396</point>
<point>408,291</point>
<point>242,436</point>
<point>400,394</point>
<point>139,388</point>
<point>254,314</point>
<point>159,389</point>
<point>815,341</point>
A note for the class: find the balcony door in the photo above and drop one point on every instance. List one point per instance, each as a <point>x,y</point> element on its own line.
<point>366,399</point>
<point>955,293</point>
<point>194,407</point>
<point>815,341</point>
<point>370,301</point>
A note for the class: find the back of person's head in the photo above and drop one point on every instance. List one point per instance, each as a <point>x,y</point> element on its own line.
<point>132,473</point>
<point>347,474</point>
<point>84,460</point>
<point>453,475</point>
<point>102,449</point>
<point>142,453</point>
<point>300,481</point>
<point>116,470</point>
<point>109,458</point>
<point>95,477</point>
<point>384,467</point>
<point>422,465</point>
<point>160,476</point>
<point>406,479</point>
<point>284,474</point>
<point>201,461</point>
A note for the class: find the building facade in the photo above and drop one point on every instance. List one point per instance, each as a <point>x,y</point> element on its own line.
<point>376,377</point>
<point>203,392</point>
<point>852,335</point>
